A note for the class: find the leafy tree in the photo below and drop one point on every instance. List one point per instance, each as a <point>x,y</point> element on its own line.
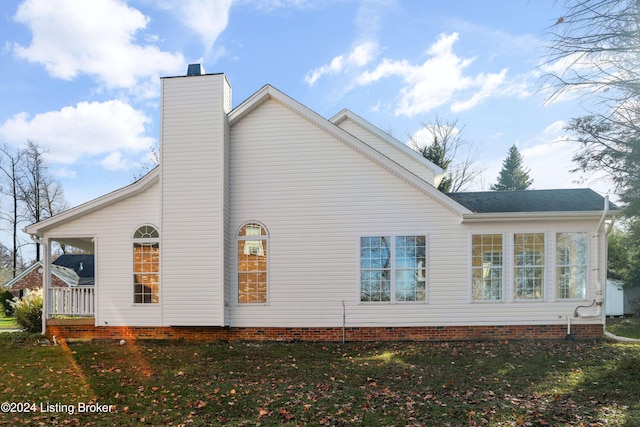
<point>624,253</point>
<point>595,52</point>
<point>451,151</point>
<point>513,175</point>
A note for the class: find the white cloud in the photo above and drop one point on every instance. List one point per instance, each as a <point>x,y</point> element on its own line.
<point>88,129</point>
<point>359,57</point>
<point>489,85</point>
<point>437,81</point>
<point>114,162</point>
<point>207,18</point>
<point>95,37</point>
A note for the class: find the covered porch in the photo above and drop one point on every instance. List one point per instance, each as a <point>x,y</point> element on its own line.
<point>66,302</point>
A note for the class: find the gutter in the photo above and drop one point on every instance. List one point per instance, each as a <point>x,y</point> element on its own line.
<point>538,216</point>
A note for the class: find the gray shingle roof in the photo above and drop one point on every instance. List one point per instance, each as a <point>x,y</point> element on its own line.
<point>569,200</point>
<point>82,264</point>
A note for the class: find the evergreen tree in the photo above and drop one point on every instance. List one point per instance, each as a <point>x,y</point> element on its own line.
<point>513,176</point>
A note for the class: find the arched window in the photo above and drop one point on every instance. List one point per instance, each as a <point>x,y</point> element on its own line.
<point>252,264</point>
<point>146,265</point>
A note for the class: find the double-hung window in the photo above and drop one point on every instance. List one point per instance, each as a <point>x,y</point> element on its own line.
<point>252,264</point>
<point>486,267</point>
<point>529,266</point>
<point>393,268</point>
<point>571,265</point>
<point>146,265</point>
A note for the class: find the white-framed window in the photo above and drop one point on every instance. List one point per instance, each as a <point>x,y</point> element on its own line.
<point>393,268</point>
<point>487,267</point>
<point>252,245</point>
<point>146,265</point>
<point>529,266</point>
<point>571,265</point>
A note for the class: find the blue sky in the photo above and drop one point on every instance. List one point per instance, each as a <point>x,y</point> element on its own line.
<point>81,78</point>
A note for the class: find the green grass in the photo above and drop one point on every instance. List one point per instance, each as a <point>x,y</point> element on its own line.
<point>7,322</point>
<point>161,383</point>
<point>624,326</point>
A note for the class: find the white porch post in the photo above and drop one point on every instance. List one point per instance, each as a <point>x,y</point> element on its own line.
<point>46,281</point>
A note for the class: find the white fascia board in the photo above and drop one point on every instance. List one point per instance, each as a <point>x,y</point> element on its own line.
<point>19,277</point>
<point>269,92</point>
<point>531,216</point>
<point>348,114</point>
<point>86,208</point>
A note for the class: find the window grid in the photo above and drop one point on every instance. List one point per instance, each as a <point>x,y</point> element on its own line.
<point>252,264</point>
<point>392,271</point>
<point>146,265</point>
<point>571,265</point>
<point>487,267</point>
<point>529,265</point>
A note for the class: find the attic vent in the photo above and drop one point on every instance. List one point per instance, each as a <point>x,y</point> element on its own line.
<point>195,70</point>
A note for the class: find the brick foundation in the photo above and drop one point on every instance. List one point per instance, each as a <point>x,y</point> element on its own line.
<point>84,329</point>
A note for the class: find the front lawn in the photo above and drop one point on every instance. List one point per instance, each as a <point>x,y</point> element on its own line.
<point>529,383</point>
<point>8,322</point>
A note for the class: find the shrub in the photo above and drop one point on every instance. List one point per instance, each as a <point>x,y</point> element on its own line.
<point>28,310</point>
<point>5,300</point>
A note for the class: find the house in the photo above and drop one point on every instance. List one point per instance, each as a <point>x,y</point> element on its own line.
<point>31,279</point>
<point>71,286</point>
<point>267,221</point>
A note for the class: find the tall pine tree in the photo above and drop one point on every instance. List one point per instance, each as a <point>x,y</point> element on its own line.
<point>513,175</point>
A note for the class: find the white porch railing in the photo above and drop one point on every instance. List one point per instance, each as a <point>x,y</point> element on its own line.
<point>72,301</point>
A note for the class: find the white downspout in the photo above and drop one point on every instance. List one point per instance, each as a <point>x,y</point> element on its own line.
<point>599,296</point>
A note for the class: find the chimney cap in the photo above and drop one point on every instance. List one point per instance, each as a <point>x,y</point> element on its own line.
<point>195,70</point>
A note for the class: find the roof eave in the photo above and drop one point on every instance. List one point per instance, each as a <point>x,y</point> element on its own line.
<point>130,190</point>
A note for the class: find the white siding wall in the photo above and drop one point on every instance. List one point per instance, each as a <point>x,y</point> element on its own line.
<point>395,154</point>
<point>193,198</point>
<point>113,228</point>
<point>317,197</point>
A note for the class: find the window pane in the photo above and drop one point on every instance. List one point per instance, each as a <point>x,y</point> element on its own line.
<point>252,230</point>
<point>529,264</point>
<point>571,265</point>
<point>252,264</point>
<point>375,264</point>
<point>392,273</point>
<point>486,267</point>
<point>146,267</point>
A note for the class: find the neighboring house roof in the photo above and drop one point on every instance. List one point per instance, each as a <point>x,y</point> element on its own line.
<point>81,264</point>
<point>65,274</point>
<point>561,202</point>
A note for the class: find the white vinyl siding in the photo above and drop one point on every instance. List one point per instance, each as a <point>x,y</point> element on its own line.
<point>194,183</point>
<point>113,259</point>
<point>390,150</point>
